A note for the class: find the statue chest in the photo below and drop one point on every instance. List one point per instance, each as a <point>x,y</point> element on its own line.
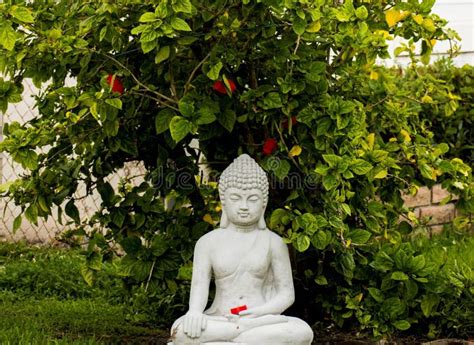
<point>250,256</point>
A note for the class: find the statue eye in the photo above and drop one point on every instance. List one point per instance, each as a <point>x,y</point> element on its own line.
<point>234,197</point>
<point>253,198</point>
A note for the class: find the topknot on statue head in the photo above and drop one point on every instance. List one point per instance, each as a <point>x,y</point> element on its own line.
<point>243,173</point>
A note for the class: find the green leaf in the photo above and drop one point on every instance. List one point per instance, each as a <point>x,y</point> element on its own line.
<point>163,54</point>
<point>281,169</point>
<point>417,263</point>
<point>147,17</point>
<point>72,211</point>
<point>118,216</point>
<point>321,239</point>
<point>106,192</point>
<point>359,236</point>
<point>376,294</point>
<point>207,113</point>
<point>302,243</point>
<point>148,46</point>
<point>87,274</point>
<point>362,12</point>
<point>321,280</point>
<point>299,26</point>
<point>332,160</point>
<point>131,245</point>
<point>21,13</point>
<point>397,275</point>
<point>214,71</point>
<point>159,246</point>
<point>330,182</point>
<point>275,218</point>
<point>31,213</point>
<point>114,102</point>
<point>179,128</point>
<point>184,6</point>
<point>429,304</point>
<point>179,24</point>
<point>427,171</point>
<point>7,36</point>
<point>402,325</point>
<point>227,119</point>
<point>360,167</point>
<point>186,108</point>
<point>163,119</point>
<point>272,101</point>
<point>17,223</point>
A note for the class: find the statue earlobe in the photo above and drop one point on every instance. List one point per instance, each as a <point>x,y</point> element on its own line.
<point>262,225</point>
<point>224,220</point>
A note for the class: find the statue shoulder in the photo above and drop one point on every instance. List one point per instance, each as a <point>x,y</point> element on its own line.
<point>210,237</point>
<point>276,240</point>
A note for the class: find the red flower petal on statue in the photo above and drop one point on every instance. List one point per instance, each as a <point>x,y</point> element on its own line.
<point>115,84</point>
<point>237,310</point>
<point>269,146</point>
<point>219,86</point>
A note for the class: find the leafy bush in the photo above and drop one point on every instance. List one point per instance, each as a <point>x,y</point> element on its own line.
<point>41,272</point>
<point>292,83</point>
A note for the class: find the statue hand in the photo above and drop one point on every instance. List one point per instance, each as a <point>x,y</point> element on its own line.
<point>194,323</point>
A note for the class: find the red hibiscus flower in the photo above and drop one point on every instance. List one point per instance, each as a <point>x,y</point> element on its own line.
<point>115,83</point>
<point>269,146</point>
<point>285,122</point>
<point>219,86</point>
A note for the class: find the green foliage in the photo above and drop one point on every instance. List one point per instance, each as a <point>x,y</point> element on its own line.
<point>79,322</point>
<point>425,286</point>
<point>358,136</point>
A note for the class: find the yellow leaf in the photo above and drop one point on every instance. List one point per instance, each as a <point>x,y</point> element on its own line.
<point>371,140</point>
<point>374,75</point>
<point>392,17</point>
<point>426,99</point>
<point>384,33</point>
<point>405,135</point>
<point>348,243</point>
<point>295,151</point>
<point>381,174</point>
<point>404,14</point>
<point>429,25</point>
<point>433,42</point>
<point>314,26</point>
<point>208,219</point>
<point>359,297</point>
<point>218,208</point>
<point>418,18</point>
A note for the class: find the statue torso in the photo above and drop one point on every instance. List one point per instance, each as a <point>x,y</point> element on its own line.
<point>241,265</point>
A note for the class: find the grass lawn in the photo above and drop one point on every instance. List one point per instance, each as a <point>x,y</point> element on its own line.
<point>83,321</point>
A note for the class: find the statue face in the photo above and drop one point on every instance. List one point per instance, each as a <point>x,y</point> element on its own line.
<point>243,207</point>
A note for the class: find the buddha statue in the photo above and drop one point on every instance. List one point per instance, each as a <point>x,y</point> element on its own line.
<point>251,269</point>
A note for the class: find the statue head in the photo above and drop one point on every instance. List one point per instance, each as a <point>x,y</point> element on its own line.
<point>243,190</point>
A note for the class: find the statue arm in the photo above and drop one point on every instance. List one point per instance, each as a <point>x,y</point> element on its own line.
<point>201,277</point>
<point>194,321</point>
<point>283,281</point>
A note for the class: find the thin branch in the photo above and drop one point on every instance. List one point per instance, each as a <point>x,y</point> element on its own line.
<point>169,99</point>
<point>191,76</point>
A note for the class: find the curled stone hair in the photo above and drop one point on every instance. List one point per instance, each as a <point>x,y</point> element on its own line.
<point>243,173</point>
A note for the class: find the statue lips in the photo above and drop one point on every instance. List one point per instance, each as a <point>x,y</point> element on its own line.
<point>237,310</point>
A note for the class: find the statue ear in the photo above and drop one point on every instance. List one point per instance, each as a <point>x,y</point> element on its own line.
<point>261,222</point>
<point>224,220</point>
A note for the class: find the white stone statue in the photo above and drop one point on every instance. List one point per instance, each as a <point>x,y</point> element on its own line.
<point>251,269</point>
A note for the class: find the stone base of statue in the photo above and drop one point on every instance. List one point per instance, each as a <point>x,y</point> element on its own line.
<point>251,269</point>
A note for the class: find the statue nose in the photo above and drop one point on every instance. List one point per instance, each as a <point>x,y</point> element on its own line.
<point>244,206</point>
